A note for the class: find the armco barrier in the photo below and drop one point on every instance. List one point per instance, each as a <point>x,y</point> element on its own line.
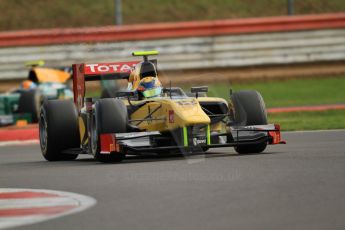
<point>192,45</point>
<point>172,30</point>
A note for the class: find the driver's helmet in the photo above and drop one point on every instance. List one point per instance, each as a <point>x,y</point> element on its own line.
<point>150,87</point>
<point>27,84</point>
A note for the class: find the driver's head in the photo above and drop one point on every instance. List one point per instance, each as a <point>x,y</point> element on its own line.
<point>142,70</point>
<point>147,69</point>
<point>27,84</point>
<point>150,87</point>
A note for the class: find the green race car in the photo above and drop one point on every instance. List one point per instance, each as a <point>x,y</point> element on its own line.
<point>23,103</point>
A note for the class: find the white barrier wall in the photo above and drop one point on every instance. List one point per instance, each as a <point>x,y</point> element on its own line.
<point>189,53</point>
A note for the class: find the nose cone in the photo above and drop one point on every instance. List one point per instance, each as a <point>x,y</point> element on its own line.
<point>189,112</point>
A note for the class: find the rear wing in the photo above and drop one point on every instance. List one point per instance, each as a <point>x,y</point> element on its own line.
<point>96,72</point>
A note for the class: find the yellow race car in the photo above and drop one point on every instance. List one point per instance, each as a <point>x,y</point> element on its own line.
<point>149,118</point>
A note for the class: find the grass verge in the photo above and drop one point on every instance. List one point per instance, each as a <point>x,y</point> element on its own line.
<point>333,119</point>
<point>293,92</point>
<point>297,92</point>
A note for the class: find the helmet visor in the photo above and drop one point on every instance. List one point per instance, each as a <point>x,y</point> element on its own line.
<point>148,84</point>
<point>152,92</point>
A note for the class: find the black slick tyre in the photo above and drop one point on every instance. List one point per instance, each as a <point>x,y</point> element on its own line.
<point>58,130</point>
<point>109,92</point>
<point>30,102</point>
<point>110,117</point>
<point>249,109</point>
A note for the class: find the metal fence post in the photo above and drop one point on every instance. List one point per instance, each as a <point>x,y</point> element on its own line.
<point>290,6</point>
<point>118,12</point>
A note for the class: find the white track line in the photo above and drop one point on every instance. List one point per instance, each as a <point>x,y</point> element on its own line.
<point>36,202</point>
<point>15,221</point>
<point>16,143</point>
<point>81,203</point>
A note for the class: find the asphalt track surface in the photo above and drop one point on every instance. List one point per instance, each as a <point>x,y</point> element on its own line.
<point>300,185</point>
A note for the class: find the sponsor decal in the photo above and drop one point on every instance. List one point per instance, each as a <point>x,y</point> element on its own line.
<point>197,141</point>
<point>171,116</point>
<point>104,68</point>
<point>81,68</point>
<point>187,103</point>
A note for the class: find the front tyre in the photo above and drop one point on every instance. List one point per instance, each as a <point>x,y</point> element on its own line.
<point>110,117</point>
<point>58,130</point>
<point>249,109</point>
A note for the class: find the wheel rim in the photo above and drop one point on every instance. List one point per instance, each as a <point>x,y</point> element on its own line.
<point>43,133</point>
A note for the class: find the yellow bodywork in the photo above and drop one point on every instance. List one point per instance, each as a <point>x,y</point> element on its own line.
<point>164,114</point>
<point>212,99</point>
<point>51,75</point>
<point>220,126</point>
<point>82,131</point>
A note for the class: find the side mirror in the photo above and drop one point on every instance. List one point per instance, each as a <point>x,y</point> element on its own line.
<point>125,94</point>
<point>199,89</point>
<point>171,90</point>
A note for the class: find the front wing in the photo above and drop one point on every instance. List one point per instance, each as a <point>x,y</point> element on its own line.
<point>138,143</point>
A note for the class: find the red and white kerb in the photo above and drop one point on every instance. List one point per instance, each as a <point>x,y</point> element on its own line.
<point>27,206</point>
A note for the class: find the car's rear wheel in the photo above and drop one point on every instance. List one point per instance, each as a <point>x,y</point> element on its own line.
<point>58,130</point>
<point>30,102</point>
<point>249,109</point>
<point>110,117</point>
<point>109,92</point>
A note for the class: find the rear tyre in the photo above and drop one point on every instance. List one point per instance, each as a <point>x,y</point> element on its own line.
<point>249,109</point>
<point>110,117</point>
<point>30,102</point>
<point>58,130</point>
<point>109,92</point>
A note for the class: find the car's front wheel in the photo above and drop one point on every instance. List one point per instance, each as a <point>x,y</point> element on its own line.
<point>110,117</point>
<point>249,109</point>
